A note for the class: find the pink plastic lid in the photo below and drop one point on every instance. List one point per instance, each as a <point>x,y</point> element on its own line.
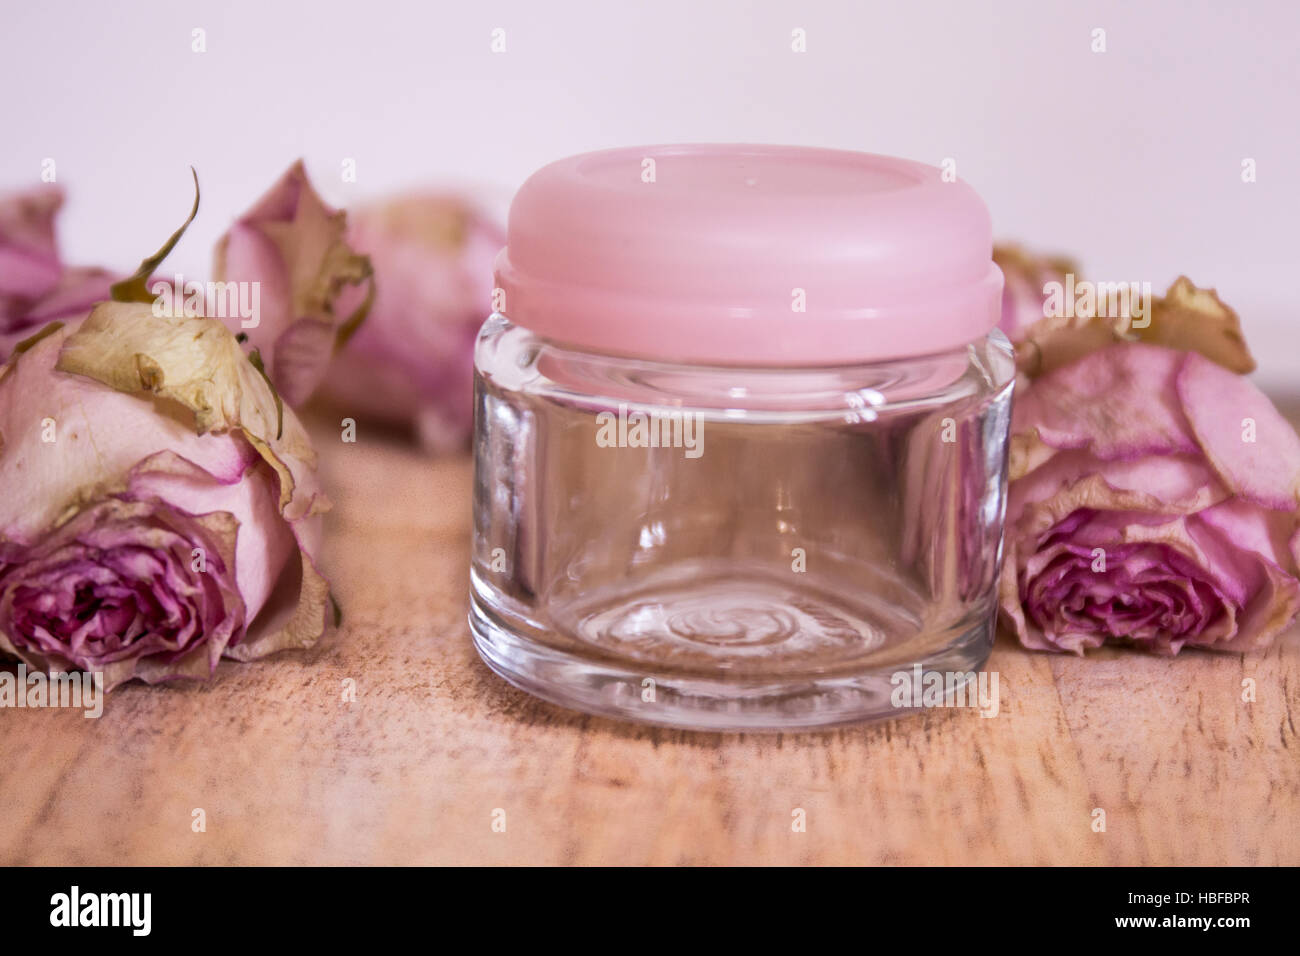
<point>749,255</point>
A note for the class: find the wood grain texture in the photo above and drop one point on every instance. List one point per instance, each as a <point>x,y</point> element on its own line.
<point>287,772</point>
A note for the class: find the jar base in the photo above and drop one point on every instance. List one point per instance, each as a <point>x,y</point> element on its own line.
<point>689,693</point>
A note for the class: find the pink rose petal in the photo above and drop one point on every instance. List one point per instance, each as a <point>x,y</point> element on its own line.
<point>1119,402</point>
<point>1223,409</point>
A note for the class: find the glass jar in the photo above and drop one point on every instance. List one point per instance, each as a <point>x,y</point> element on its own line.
<point>697,503</point>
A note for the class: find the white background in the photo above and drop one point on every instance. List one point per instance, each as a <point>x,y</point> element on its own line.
<point>1129,159</point>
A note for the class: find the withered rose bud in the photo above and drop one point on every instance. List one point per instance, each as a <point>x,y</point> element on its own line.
<point>294,247</point>
<point>159,507</point>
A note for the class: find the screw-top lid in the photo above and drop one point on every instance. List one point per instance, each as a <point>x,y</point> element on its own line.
<point>749,255</point>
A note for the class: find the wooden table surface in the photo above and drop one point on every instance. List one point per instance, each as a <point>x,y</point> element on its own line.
<point>286,771</point>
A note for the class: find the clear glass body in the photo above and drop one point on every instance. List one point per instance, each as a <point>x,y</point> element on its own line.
<point>734,548</point>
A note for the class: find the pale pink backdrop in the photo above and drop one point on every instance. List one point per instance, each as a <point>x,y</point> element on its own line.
<point>1130,158</point>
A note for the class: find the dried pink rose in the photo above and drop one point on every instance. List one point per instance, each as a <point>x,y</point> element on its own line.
<point>411,364</point>
<point>1154,500</point>
<point>293,246</point>
<point>35,286</point>
<point>159,507</point>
